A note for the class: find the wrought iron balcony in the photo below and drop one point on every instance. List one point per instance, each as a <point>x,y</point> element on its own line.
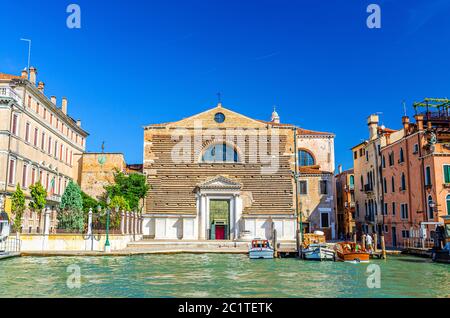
<point>368,188</point>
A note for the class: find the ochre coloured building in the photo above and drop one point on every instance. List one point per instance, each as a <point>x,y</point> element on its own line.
<point>220,175</point>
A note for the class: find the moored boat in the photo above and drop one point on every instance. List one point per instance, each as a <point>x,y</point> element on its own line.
<point>319,252</point>
<point>441,251</point>
<point>260,249</point>
<point>351,252</point>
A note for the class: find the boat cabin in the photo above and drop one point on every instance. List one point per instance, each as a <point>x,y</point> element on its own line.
<point>4,226</point>
<point>260,244</point>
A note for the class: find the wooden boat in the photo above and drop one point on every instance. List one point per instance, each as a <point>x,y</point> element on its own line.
<point>319,252</point>
<point>351,252</point>
<point>441,251</point>
<point>260,249</point>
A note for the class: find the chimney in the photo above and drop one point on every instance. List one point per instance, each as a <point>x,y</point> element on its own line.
<point>53,99</point>
<point>419,122</point>
<point>33,73</point>
<point>41,87</point>
<point>25,73</point>
<point>405,122</point>
<point>388,138</point>
<point>64,105</point>
<point>340,169</point>
<point>79,123</point>
<point>372,122</point>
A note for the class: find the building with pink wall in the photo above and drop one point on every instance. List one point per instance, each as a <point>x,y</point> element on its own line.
<point>415,171</point>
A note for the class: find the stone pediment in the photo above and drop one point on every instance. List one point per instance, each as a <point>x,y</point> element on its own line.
<point>207,120</point>
<point>219,182</point>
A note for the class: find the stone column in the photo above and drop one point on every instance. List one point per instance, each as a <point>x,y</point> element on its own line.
<point>46,229</point>
<point>47,221</point>
<point>202,217</point>
<point>127,222</point>
<point>122,222</point>
<point>131,223</point>
<point>134,222</point>
<point>89,226</point>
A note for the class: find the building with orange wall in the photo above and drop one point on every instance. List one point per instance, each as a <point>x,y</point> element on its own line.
<point>345,203</point>
<point>416,178</point>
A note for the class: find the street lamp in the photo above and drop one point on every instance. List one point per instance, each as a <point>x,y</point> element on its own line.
<point>107,245</point>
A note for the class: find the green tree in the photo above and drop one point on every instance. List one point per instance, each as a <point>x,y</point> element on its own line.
<point>123,205</point>
<point>18,207</point>
<point>70,214</point>
<point>38,199</point>
<point>89,202</point>
<point>132,188</point>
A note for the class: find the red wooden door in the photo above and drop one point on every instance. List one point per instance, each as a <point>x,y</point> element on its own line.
<point>220,232</point>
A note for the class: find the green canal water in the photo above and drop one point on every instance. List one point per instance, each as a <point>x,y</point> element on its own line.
<point>212,275</point>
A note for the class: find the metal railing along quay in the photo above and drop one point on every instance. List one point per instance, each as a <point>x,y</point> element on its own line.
<point>10,245</point>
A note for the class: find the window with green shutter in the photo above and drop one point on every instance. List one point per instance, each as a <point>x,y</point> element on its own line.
<point>447,174</point>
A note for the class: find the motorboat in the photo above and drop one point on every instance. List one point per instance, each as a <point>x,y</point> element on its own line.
<point>319,252</point>
<point>4,230</point>
<point>260,249</point>
<point>351,252</point>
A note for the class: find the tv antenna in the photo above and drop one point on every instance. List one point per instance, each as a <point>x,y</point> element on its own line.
<point>29,52</point>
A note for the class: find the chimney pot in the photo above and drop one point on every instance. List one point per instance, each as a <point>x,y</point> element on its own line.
<point>33,74</point>
<point>405,122</point>
<point>53,99</point>
<point>372,122</point>
<point>41,87</point>
<point>79,123</point>
<point>419,122</point>
<point>64,105</point>
<point>340,169</point>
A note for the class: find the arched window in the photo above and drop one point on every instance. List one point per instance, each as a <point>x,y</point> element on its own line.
<point>352,181</point>
<point>430,208</point>
<point>403,182</point>
<point>402,158</point>
<point>305,158</point>
<point>220,153</point>
<point>448,204</point>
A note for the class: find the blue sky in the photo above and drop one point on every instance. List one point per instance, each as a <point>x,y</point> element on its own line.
<point>134,63</point>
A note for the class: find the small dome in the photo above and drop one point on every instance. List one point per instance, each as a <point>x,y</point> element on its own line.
<point>275,116</point>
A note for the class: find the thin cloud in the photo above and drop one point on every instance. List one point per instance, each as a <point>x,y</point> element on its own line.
<point>267,56</point>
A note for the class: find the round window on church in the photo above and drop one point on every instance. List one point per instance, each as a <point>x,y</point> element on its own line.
<point>219,118</point>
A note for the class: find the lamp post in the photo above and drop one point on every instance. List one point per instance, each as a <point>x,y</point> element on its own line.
<point>107,245</point>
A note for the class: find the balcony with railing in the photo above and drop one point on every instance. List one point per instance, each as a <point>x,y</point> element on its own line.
<point>349,187</point>
<point>368,188</point>
<point>370,218</point>
<point>8,92</point>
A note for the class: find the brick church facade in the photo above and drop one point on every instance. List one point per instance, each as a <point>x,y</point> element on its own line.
<point>220,175</point>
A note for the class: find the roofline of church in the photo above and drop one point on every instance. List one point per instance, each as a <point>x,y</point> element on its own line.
<point>301,131</point>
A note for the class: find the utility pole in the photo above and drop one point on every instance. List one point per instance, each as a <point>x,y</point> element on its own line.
<point>29,54</point>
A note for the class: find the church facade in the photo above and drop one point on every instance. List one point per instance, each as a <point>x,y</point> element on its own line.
<point>220,175</point>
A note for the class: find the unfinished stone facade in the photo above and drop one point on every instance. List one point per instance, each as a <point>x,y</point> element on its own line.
<point>219,174</point>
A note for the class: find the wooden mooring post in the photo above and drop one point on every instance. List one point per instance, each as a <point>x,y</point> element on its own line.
<point>354,238</point>
<point>383,247</point>
<point>274,243</point>
<point>375,242</point>
<point>363,241</point>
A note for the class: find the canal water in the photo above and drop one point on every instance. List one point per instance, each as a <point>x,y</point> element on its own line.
<point>219,275</point>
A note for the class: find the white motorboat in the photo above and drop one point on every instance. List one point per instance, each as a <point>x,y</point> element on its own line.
<point>319,252</point>
<point>260,249</point>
